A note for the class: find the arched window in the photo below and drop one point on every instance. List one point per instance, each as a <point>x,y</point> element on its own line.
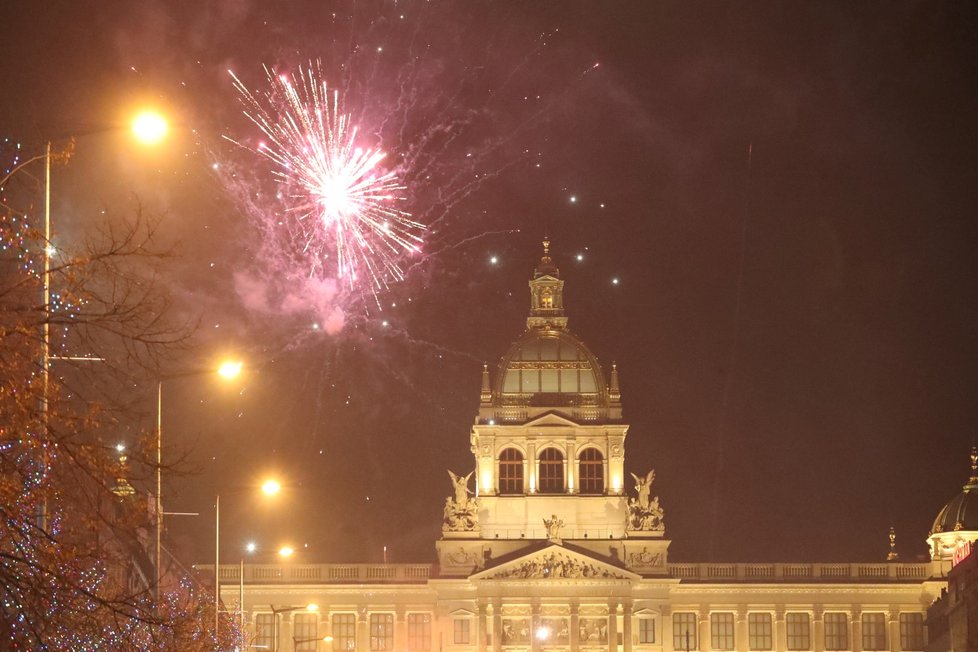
<point>510,472</point>
<point>547,299</point>
<point>590,471</point>
<point>551,471</point>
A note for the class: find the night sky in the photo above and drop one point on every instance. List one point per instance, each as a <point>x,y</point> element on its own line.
<point>785,193</point>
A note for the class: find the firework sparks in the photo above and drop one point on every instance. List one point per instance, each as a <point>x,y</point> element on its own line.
<point>341,198</point>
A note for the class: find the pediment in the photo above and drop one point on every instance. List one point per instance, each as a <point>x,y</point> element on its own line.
<point>550,418</point>
<point>461,613</point>
<point>555,562</point>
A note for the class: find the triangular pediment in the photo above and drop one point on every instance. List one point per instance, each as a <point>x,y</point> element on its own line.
<point>550,418</point>
<point>555,562</point>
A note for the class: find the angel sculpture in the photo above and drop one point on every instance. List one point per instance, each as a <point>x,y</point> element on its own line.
<point>643,486</point>
<point>461,490</point>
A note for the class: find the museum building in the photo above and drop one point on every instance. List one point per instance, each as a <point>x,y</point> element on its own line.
<point>546,546</point>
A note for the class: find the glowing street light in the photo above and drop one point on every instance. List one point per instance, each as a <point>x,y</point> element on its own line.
<point>230,369</point>
<point>286,551</point>
<point>271,487</point>
<point>149,127</point>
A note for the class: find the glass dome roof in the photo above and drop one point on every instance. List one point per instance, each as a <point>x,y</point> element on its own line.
<point>550,367</point>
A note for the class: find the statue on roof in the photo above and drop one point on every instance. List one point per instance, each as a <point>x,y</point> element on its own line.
<point>461,512</point>
<point>645,514</point>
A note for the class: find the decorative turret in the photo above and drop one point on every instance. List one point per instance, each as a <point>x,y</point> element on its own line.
<point>546,295</point>
<point>614,390</point>
<point>486,396</point>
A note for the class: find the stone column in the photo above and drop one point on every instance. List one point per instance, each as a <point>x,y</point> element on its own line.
<point>704,630</point>
<point>613,626</point>
<point>571,479</point>
<point>400,630</point>
<point>818,627</point>
<point>497,626</point>
<point>893,630</point>
<point>856,630</point>
<point>667,642</point>
<point>534,623</point>
<point>780,631</point>
<point>531,470</point>
<point>575,627</point>
<point>481,626</point>
<point>740,629</point>
<point>626,626</point>
<point>363,631</point>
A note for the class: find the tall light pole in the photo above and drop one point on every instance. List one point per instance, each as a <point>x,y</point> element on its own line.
<point>269,488</point>
<point>227,370</point>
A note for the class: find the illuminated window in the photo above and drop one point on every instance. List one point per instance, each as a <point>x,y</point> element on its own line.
<point>799,631</point>
<point>759,632</point>
<point>646,631</point>
<point>265,631</point>
<point>591,471</point>
<point>511,472</point>
<point>306,631</point>
<point>419,632</point>
<point>547,300</point>
<point>551,471</point>
<point>836,631</point>
<point>874,632</point>
<point>912,632</point>
<point>381,632</point>
<point>684,631</point>
<point>344,632</point>
<point>462,634</point>
<point>722,631</point>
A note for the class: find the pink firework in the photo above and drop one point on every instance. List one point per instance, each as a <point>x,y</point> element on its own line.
<point>343,201</point>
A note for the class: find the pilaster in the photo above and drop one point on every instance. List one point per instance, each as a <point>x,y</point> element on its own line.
<point>575,627</point>
<point>856,629</point>
<point>363,631</point>
<point>481,626</point>
<point>740,629</point>
<point>613,626</point>
<point>780,631</point>
<point>818,627</point>
<point>626,621</point>
<point>400,630</point>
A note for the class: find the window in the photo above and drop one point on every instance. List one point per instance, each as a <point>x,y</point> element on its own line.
<point>911,632</point>
<point>306,631</point>
<point>722,631</point>
<point>419,632</point>
<point>836,631</point>
<point>874,632</point>
<point>462,629</point>
<point>381,632</point>
<point>646,630</point>
<point>799,631</point>
<point>511,472</point>
<point>591,471</point>
<point>344,632</point>
<point>265,631</point>
<point>684,631</point>
<point>551,471</point>
<point>759,632</point>
<point>547,299</point>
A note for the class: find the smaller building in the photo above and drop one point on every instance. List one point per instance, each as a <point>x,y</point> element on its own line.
<point>952,620</point>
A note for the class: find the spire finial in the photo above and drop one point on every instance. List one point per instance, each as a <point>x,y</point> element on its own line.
<point>546,245</point>
<point>486,394</point>
<point>892,555</point>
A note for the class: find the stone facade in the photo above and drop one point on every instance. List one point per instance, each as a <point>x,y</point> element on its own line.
<point>548,547</point>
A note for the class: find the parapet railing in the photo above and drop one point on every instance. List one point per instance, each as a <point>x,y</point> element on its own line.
<point>882,572</point>
<point>322,573</point>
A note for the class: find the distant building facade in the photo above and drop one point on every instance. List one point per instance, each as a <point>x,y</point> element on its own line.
<point>547,547</point>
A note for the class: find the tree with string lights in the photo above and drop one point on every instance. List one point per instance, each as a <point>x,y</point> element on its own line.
<point>75,554</point>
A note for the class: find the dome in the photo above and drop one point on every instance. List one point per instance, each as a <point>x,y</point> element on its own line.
<point>550,367</point>
<point>960,513</point>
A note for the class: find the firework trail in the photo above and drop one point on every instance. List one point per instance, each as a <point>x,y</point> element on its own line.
<point>342,203</point>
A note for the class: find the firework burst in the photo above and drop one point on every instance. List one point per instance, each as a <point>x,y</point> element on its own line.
<point>343,203</point>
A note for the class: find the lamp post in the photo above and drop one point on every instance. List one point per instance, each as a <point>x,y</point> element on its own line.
<point>269,488</point>
<point>225,372</point>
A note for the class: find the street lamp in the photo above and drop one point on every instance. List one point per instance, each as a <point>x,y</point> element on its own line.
<point>159,461</point>
<point>298,641</point>
<point>149,127</point>
<point>269,488</point>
